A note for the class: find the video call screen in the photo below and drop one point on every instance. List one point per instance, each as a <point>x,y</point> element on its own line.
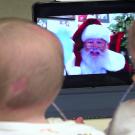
<point>97,47</point>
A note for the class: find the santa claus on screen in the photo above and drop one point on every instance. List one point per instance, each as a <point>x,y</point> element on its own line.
<point>91,54</point>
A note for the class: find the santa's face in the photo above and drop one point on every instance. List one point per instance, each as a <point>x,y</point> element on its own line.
<point>95,46</point>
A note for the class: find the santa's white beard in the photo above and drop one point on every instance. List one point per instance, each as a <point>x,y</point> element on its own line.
<point>93,65</point>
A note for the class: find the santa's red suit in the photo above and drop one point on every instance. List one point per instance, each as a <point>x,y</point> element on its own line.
<point>84,64</point>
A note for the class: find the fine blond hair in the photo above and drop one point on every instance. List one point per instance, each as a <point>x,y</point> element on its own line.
<point>31,64</point>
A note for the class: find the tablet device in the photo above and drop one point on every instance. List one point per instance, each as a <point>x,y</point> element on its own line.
<point>98,28</point>
<point>68,21</point>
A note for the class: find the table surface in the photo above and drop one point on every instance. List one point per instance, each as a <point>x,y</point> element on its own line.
<point>100,124</point>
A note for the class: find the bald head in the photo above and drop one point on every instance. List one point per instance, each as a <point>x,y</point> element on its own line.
<point>31,64</point>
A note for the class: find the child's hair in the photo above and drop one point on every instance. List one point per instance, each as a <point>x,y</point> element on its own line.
<point>31,64</point>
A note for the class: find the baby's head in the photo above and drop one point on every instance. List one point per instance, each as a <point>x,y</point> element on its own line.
<point>123,122</point>
<point>31,64</point>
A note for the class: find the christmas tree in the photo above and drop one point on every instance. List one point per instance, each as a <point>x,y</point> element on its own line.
<point>122,24</point>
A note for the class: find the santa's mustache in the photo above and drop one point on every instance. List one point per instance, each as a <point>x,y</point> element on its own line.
<point>95,52</point>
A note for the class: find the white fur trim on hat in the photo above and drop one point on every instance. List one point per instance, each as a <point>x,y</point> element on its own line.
<point>96,31</point>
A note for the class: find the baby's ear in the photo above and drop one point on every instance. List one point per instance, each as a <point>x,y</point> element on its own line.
<point>18,86</point>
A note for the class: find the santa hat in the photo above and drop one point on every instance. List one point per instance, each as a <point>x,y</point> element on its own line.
<point>77,35</point>
<point>96,31</point>
<point>77,38</point>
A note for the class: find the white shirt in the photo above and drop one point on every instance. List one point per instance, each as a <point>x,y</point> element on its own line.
<point>58,128</point>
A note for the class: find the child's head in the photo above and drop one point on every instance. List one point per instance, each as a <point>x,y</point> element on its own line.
<point>31,64</point>
<point>123,122</point>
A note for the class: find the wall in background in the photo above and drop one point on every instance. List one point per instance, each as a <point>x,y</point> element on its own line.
<point>20,8</point>
<point>17,8</point>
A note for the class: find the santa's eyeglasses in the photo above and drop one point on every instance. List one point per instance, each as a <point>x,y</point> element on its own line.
<point>95,44</point>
